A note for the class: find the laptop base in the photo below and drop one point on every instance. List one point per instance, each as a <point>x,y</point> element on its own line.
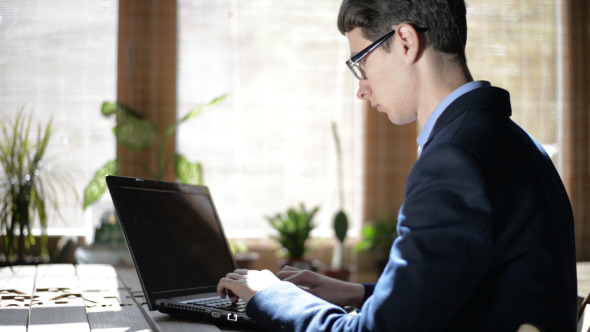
<point>217,316</point>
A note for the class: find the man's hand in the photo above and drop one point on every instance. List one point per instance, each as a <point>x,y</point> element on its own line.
<point>336,291</point>
<point>245,283</point>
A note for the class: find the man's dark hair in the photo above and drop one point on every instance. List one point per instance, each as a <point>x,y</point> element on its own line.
<point>445,19</point>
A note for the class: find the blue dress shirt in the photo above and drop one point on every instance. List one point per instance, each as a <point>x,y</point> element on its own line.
<point>425,133</point>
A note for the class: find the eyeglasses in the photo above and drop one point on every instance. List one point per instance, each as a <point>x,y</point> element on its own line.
<point>354,62</point>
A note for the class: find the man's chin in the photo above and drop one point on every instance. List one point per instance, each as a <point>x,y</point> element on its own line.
<point>400,121</point>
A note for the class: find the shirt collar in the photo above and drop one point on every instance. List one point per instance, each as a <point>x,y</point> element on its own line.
<point>425,133</point>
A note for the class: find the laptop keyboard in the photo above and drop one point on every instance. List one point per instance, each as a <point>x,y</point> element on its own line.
<point>220,303</point>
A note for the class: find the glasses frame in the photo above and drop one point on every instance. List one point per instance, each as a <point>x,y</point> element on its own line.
<point>353,62</point>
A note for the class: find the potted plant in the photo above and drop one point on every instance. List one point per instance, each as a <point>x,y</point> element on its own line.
<point>135,132</point>
<point>377,237</point>
<point>294,227</point>
<point>340,221</point>
<point>242,255</point>
<point>27,189</point>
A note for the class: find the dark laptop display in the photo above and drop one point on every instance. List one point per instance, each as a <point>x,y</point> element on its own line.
<point>176,241</point>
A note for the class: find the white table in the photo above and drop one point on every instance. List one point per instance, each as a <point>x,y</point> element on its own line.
<point>93,297</point>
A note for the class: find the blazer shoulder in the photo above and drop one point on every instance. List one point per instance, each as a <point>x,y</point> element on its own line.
<point>491,100</point>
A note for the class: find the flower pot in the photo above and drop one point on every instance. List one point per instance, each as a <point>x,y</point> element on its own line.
<point>246,260</point>
<point>343,273</point>
<point>300,263</point>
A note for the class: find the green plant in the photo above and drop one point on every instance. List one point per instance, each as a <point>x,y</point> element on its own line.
<point>378,236</point>
<point>26,188</point>
<point>340,219</point>
<point>294,227</point>
<point>137,133</point>
<point>237,247</point>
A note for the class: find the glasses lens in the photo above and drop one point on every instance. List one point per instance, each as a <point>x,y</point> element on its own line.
<point>358,71</point>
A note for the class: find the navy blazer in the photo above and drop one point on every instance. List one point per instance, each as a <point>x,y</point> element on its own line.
<point>486,239</point>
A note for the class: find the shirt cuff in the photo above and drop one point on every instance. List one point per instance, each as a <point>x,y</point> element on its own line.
<point>369,288</point>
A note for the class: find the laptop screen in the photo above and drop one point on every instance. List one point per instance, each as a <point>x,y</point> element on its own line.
<point>174,235</point>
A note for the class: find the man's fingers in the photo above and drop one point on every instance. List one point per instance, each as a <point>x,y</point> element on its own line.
<point>234,276</point>
<point>245,283</point>
<point>287,272</point>
<point>225,284</point>
<point>221,290</point>
<point>237,274</point>
<point>223,287</point>
<point>232,297</point>
<point>302,278</point>
<point>290,268</point>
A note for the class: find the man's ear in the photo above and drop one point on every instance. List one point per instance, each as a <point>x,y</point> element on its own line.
<point>408,39</point>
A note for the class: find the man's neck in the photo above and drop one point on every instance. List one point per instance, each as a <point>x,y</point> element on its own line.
<point>440,77</point>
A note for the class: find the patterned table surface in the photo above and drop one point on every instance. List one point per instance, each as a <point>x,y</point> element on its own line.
<point>93,297</point>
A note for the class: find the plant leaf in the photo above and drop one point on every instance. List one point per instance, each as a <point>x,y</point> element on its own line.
<point>98,184</point>
<point>294,227</point>
<point>197,110</point>
<point>120,111</point>
<point>188,172</point>
<point>109,108</point>
<point>341,225</point>
<point>135,133</point>
<point>132,130</point>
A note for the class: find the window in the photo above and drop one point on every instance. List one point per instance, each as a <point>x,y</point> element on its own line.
<point>58,59</point>
<point>513,44</point>
<point>269,145</point>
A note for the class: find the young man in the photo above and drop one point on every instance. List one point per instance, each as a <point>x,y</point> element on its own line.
<point>486,237</point>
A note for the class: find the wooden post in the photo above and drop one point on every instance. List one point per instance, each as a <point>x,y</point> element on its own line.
<point>146,74</point>
<point>576,118</point>
<point>390,151</point>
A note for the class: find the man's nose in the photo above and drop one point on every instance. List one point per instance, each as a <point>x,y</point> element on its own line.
<point>364,92</point>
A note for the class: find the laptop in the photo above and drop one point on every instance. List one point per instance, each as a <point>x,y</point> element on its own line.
<point>178,247</point>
